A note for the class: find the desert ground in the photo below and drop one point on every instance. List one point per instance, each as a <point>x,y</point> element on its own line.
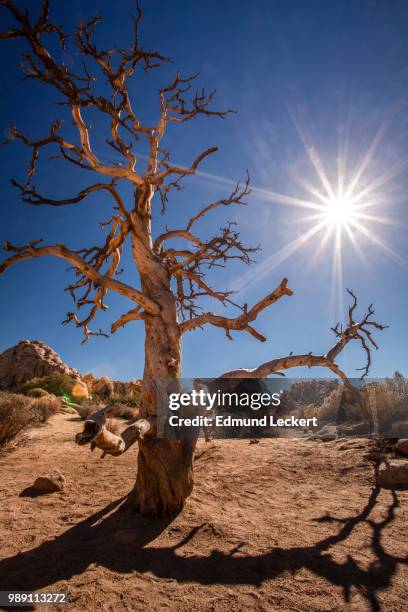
<point>279,525</point>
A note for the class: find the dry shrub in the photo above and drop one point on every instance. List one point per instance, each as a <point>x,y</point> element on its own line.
<point>37,392</point>
<point>125,412</point>
<point>130,399</point>
<point>128,413</point>
<point>114,426</point>
<point>86,408</point>
<point>47,405</point>
<point>382,403</point>
<point>329,409</point>
<point>388,403</point>
<point>18,412</point>
<point>342,405</point>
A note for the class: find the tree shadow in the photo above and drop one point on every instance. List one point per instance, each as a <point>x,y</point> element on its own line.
<point>119,540</point>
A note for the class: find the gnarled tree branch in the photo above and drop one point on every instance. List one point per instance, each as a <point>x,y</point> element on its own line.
<point>353,331</point>
<point>242,322</point>
<point>61,251</point>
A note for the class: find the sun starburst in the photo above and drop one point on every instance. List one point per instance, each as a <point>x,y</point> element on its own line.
<point>344,214</point>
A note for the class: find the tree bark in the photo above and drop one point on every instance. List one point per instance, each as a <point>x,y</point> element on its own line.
<point>165,466</point>
<point>164,476</point>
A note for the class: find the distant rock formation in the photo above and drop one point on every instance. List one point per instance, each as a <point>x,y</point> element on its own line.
<point>105,387</point>
<point>30,359</point>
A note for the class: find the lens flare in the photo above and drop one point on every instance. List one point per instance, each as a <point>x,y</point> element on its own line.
<point>340,211</point>
<point>344,214</point>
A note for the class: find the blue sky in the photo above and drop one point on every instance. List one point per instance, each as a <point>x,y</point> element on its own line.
<point>334,74</point>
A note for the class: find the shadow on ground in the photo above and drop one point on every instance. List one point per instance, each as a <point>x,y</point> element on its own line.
<point>120,541</point>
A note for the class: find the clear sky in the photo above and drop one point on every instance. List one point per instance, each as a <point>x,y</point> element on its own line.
<point>316,85</point>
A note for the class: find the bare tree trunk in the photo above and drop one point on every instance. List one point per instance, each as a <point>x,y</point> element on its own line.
<point>165,466</point>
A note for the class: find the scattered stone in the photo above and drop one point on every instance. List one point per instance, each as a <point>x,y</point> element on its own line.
<point>402,446</point>
<point>395,474</point>
<point>50,482</point>
<point>30,359</point>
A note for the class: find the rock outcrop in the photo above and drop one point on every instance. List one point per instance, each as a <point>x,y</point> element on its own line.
<point>30,359</point>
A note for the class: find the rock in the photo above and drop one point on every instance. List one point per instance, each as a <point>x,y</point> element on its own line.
<point>399,430</point>
<point>30,359</point>
<point>104,388</point>
<point>326,433</point>
<point>402,446</point>
<point>65,409</point>
<point>80,390</point>
<point>354,430</point>
<point>50,482</point>
<point>395,474</point>
<point>118,387</point>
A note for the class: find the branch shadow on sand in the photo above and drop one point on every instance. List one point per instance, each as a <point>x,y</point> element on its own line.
<point>119,540</point>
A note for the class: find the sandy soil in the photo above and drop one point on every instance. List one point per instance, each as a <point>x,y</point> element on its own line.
<point>280,525</point>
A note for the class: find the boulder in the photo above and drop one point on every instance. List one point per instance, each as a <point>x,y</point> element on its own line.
<point>326,434</point>
<point>80,390</point>
<point>402,446</point>
<point>49,482</point>
<point>30,359</point>
<point>104,388</point>
<point>395,474</point>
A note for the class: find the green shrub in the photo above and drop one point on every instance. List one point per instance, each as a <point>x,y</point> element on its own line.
<point>57,384</point>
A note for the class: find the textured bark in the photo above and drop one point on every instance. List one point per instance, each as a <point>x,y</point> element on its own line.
<point>164,476</point>
<point>165,466</point>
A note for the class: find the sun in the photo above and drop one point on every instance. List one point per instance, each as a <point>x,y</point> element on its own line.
<point>336,217</point>
<point>340,211</point>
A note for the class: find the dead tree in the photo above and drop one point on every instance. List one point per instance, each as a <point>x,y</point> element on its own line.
<point>172,279</point>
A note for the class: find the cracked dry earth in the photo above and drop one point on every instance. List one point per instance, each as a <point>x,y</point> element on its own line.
<point>279,525</point>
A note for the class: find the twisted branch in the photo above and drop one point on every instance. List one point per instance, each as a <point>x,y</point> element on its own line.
<point>242,322</point>
<point>353,331</point>
<point>31,251</point>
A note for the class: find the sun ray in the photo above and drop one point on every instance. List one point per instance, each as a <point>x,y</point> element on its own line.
<point>380,243</point>
<point>314,158</point>
<point>346,210</point>
<point>336,293</point>
<point>376,219</point>
<point>256,273</point>
<point>365,160</point>
<point>359,251</point>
